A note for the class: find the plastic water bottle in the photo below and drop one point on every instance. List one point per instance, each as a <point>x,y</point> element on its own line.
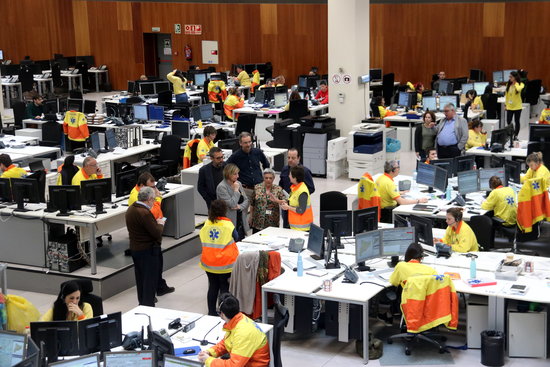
<point>300,265</point>
<point>414,176</point>
<point>448,193</point>
<point>473,268</point>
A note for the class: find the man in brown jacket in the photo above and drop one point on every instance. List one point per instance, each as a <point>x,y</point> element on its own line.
<point>145,238</point>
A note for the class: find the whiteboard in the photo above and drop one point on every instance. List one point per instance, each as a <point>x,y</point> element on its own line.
<point>209,52</point>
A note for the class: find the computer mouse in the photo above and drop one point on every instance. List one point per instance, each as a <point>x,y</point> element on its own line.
<point>189,351</point>
<point>295,269</point>
<point>114,206</point>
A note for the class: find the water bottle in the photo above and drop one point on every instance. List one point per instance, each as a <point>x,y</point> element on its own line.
<point>448,192</point>
<point>475,166</point>
<point>473,268</point>
<point>300,265</point>
<point>414,176</point>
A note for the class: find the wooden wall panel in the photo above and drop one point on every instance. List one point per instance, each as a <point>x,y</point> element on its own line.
<point>81,28</point>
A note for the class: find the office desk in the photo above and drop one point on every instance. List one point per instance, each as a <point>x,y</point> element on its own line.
<point>508,153</point>
<point>18,139</point>
<point>161,317</point>
<point>115,99</point>
<point>42,82</point>
<point>274,111</point>
<point>9,89</point>
<point>71,80</point>
<point>97,73</point>
<point>33,151</point>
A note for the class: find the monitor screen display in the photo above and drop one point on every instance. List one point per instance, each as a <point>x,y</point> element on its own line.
<point>429,103</point>
<point>147,88</point>
<point>464,163</point>
<point>281,100</point>
<point>315,240</point>
<point>13,348</point>
<point>467,87</point>
<point>1,54</point>
<point>423,227</point>
<point>259,96</point>
<point>170,361</point>
<point>140,112</point>
<point>206,112</point>
<point>467,182</point>
<point>89,106</point>
<point>395,241</point>
<point>375,74</point>
<point>91,360</point>
<point>513,171</point>
<point>365,220</point>
<point>506,74</point>
<point>125,359</point>
<point>96,145</point>
<point>440,179</point>
<point>443,86</point>
<point>403,99</point>
<point>181,129</point>
<point>446,163</point>
<point>425,174</point>
<point>75,104</point>
<point>161,86</point>
<point>479,87</point>
<point>110,137</point>
<point>486,174</point>
<point>302,81</point>
<point>199,79</point>
<point>367,246</point>
<point>498,76</point>
<point>337,221</point>
<point>156,113</point>
<point>445,100</point>
<point>131,86</point>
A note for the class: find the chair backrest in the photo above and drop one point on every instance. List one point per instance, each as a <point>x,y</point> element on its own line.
<point>95,301</point>
<point>246,122</point>
<point>482,225</point>
<point>532,92</point>
<point>165,97</point>
<point>375,110</point>
<point>52,132</point>
<point>67,174</point>
<point>281,320</point>
<point>333,200</point>
<point>170,148</point>
<point>26,78</point>
<point>19,114</point>
<point>387,87</point>
<point>491,105</point>
<point>297,109</point>
<point>56,74</point>
<point>75,94</point>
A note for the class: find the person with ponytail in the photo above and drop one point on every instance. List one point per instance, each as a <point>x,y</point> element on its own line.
<point>513,100</point>
<point>178,82</point>
<point>68,306</point>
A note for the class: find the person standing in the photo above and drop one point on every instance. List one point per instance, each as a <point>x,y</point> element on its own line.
<point>300,213</point>
<point>178,82</point>
<point>251,161</point>
<point>513,101</point>
<point>293,160</point>
<point>210,176</point>
<point>264,209</point>
<point>231,191</point>
<point>424,135</point>
<point>219,252</point>
<point>452,134</point>
<point>145,234</point>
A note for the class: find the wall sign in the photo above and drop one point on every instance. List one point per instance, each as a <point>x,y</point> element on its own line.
<point>155,29</point>
<point>347,79</point>
<point>336,78</point>
<point>177,28</point>
<point>194,29</point>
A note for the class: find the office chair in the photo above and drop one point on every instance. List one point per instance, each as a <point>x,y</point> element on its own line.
<point>532,91</point>
<point>190,153</point>
<point>19,114</point>
<point>169,153</point>
<point>165,98</point>
<point>386,215</point>
<point>435,293</point>
<point>482,225</point>
<point>297,109</point>
<point>26,78</point>
<point>75,94</point>
<point>86,289</point>
<point>56,75</point>
<point>82,67</point>
<point>68,170</point>
<point>281,320</point>
<point>52,132</point>
<point>375,110</point>
<point>333,200</point>
<point>387,87</point>
<point>246,122</point>
<point>232,144</point>
<point>491,106</point>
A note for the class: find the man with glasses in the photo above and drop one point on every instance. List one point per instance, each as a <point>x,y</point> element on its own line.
<point>210,175</point>
<point>90,171</point>
<point>452,134</point>
<point>389,193</point>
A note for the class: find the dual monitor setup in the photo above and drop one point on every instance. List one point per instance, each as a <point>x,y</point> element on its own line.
<point>275,96</point>
<point>144,358</point>
<point>502,76</point>
<point>479,87</point>
<point>433,103</point>
<point>149,88</point>
<point>58,105</point>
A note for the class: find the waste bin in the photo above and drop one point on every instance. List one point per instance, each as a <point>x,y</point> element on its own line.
<point>492,348</point>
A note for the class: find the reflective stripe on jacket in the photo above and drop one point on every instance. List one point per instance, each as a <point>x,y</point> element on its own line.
<point>75,126</point>
<point>300,222</point>
<point>219,250</point>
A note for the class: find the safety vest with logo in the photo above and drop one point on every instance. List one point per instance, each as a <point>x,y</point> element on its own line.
<point>216,89</point>
<point>255,80</point>
<point>367,193</point>
<point>232,103</point>
<point>75,126</point>
<point>300,222</point>
<point>219,250</point>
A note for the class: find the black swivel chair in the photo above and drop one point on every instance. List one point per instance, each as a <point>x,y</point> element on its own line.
<point>297,109</point>
<point>375,110</point>
<point>532,92</point>
<point>75,94</point>
<point>281,320</point>
<point>165,99</point>
<point>19,114</point>
<point>387,87</point>
<point>246,122</point>
<point>482,225</point>
<point>52,132</point>
<point>169,154</point>
<point>26,78</point>
<point>56,75</point>
<point>333,200</point>
<point>82,67</point>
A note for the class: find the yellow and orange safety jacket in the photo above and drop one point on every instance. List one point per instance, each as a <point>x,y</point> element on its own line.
<point>155,210</point>
<point>367,193</point>
<point>219,250</point>
<point>300,222</point>
<point>216,91</point>
<point>232,103</point>
<point>75,126</point>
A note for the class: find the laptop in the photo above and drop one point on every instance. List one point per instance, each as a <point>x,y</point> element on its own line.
<point>173,361</point>
<point>90,360</point>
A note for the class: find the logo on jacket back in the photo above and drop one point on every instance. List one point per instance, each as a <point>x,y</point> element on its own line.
<point>510,200</point>
<point>214,234</point>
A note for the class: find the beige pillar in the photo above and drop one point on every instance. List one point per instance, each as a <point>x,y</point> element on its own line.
<point>348,59</point>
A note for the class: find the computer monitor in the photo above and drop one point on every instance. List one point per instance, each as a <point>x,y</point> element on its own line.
<point>315,240</point>
<point>172,361</point>
<point>160,344</point>
<point>5,190</point>
<point>249,68</point>
<point>131,87</point>
<point>337,221</point>
<point>476,75</point>
<point>147,89</point>
<point>125,181</point>
<point>75,104</point>
<point>512,170</point>
<point>64,198</point>
<point>25,190</point>
<point>404,99</point>
<point>446,163</point>
<point>539,133</point>
<point>500,136</point>
<point>94,141</point>
<point>487,173</point>
<point>367,246</point>
<point>423,229</point>
<point>32,358</point>
<point>140,112</point>
<point>96,192</point>
<point>464,163</point>
<point>479,87</point>
<point>90,360</point>
<point>441,179</point>
<point>375,75</point>
<point>281,99</point>
<point>50,106</point>
<point>144,358</point>
<point>13,348</point>
<point>259,96</point>
<point>59,338</point>
<point>89,106</point>
<point>506,74</point>
<point>467,182</point>
<point>110,138</point>
<point>181,129</point>
<point>199,79</point>
<point>445,100</point>
<point>395,241</point>
<point>100,334</point>
<point>466,87</point>
<point>302,81</point>
<point>429,103</point>
<point>207,113</point>
<point>498,76</point>
<point>156,113</point>
<point>400,221</point>
<point>269,93</point>
<point>445,87</point>
<point>161,87</point>
<point>1,54</point>
<point>365,220</point>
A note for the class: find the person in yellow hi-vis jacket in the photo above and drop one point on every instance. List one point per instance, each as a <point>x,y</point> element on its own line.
<point>255,80</point>
<point>501,200</point>
<point>458,235</point>
<point>178,82</point>
<point>217,92</point>
<point>234,100</point>
<point>411,266</point>
<point>537,169</point>
<point>513,100</point>
<point>68,306</point>
<point>10,170</point>
<point>242,77</point>
<point>90,171</point>
<point>300,213</point>
<point>206,143</point>
<point>476,136</point>
<point>75,126</point>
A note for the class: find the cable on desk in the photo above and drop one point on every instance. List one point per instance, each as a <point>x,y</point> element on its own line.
<point>367,282</point>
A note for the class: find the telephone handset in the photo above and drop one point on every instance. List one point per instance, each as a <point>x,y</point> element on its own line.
<point>350,275</point>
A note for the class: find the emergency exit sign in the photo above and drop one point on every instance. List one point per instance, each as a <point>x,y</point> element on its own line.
<point>195,29</point>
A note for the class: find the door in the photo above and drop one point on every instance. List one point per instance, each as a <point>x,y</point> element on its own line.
<point>150,54</point>
<point>164,52</point>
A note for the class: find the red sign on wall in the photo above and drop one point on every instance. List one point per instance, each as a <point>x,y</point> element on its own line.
<point>195,29</point>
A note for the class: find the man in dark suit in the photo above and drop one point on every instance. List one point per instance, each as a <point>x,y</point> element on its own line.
<point>210,175</point>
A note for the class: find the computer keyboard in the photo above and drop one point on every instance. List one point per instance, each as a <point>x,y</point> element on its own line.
<point>292,263</point>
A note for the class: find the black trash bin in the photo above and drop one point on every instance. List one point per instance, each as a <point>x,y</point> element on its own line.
<point>492,348</point>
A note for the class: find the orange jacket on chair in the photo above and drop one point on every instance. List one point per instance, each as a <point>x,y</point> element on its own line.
<point>75,126</point>
<point>231,103</point>
<point>428,301</point>
<point>216,91</point>
<point>188,152</point>
<point>367,193</point>
<point>533,203</point>
<point>274,270</point>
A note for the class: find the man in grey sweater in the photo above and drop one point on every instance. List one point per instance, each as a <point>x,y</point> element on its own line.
<point>452,134</point>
